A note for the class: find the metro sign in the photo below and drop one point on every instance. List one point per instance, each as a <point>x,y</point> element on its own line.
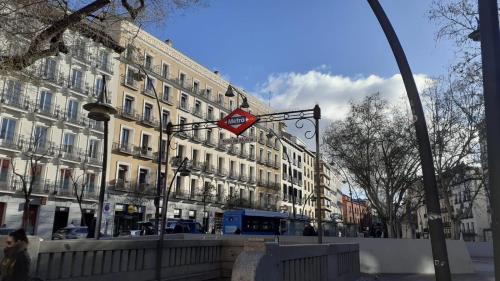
<point>237,121</point>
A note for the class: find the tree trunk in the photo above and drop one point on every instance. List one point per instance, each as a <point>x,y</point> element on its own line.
<point>26,214</point>
<point>455,228</point>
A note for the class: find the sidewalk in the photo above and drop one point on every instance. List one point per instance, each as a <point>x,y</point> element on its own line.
<point>484,272</point>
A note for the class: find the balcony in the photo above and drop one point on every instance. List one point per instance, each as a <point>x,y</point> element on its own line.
<point>144,152</point>
<point>13,142</point>
<point>233,150</point>
<point>70,153</point>
<point>251,180</point>
<point>79,88</point>
<point>144,188</point>
<point>148,92</point>
<point>233,175</point>
<point>45,110</point>
<point>196,137</point>
<point>184,107</point>
<point>106,67</point>
<point>221,172</point>
<point>269,163</point>
<point>261,160</point>
<point>80,55</point>
<point>95,125</point>
<point>276,165</point>
<point>124,148</point>
<point>94,160</point>
<point>121,185</point>
<point>210,142</point>
<point>167,99</point>
<point>73,118</point>
<point>16,100</point>
<point>51,77</point>
<point>149,121</point>
<point>243,177</point>
<point>210,117</point>
<point>262,141</point>
<point>197,165</point>
<point>93,194</point>
<point>252,156</point>
<point>127,113</point>
<point>183,134</point>
<point>221,146</point>
<point>197,112</point>
<point>185,83</point>
<point>42,148</point>
<point>243,153</point>
<point>129,82</point>
<point>269,143</point>
<point>209,169</point>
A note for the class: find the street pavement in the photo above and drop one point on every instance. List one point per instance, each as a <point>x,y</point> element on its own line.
<point>484,272</point>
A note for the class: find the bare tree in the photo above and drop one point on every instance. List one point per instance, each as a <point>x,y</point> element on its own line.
<point>34,154</point>
<point>377,146</point>
<point>454,116</point>
<point>34,29</point>
<point>80,185</point>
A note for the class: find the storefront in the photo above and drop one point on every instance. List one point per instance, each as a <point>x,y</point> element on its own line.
<point>127,217</point>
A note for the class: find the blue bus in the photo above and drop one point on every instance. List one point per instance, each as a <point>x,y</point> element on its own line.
<point>256,222</point>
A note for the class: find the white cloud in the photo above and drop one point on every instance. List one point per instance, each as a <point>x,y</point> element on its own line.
<point>332,92</point>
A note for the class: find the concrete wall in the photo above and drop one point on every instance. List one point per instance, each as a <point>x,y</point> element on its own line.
<point>480,249</point>
<point>391,256</point>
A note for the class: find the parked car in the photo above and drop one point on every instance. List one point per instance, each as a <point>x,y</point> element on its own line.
<point>183,226</point>
<point>6,231</point>
<point>71,232</point>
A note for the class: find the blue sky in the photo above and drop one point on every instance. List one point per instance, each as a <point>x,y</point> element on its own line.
<point>247,41</point>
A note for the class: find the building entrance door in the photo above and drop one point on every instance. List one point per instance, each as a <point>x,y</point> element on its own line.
<point>60,218</point>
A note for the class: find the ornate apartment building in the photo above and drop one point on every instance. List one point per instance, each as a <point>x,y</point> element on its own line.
<point>222,175</point>
<point>46,138</point>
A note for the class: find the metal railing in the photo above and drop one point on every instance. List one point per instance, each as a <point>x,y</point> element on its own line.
<point>124,148</point>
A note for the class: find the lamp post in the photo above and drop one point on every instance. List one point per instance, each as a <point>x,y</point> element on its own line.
<point>101,111</point>
<point>230,93</point>
<point>317,116</point>
<point>311,197</point>
<point>140,77</point>
<point>490,44</point>
<point>183,171</point>
<point>438,242</point>
<point>270,134</point>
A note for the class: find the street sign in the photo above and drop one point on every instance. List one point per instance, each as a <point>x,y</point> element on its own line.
<point>239,140</point>
<point>107,209</point>
<point>237,121</point>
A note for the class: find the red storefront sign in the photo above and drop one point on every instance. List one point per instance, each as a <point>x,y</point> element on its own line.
<point>237,121</point>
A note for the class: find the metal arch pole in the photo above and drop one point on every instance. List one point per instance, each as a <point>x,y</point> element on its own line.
<point>490,44</point>
<point>166,193</point>
<point>317,116</point>
<point>438,242</point>
<point>97,230</point>
<point>294,212</point>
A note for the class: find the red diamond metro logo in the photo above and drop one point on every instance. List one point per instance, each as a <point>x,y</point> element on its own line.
<point>237,121</point>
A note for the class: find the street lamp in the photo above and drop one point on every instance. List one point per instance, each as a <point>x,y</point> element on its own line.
<point>183,171</point>
<point>269,135</point>
<point>101,111</point>
<point>230,93</point>
<point>140,77</point>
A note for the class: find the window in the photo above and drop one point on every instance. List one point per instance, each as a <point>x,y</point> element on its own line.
<point>91,179</point>
<point>220,98</point>
<point>231,104</point>
<point>76,79</point>
<point>145,142</point>
<point>182,79</point>
<point>128,105</point>
<point>210,113</point>
<point>7,131</point>
<point>125,137</point>
<point>69,143</point>
<point>49,70</point>
<point>148,108</point>
<point>98,86</point>
<point>93,151</point>
<point>104,60</point>
<point>143,178</point>
<point>65,179</point>
<point>150,82</point>
<point>14,89</point>
<point>209,135</point>
<point>130,79</point>
<point>40,137</point>
<point>184,101</point>
<point>250,197</point>
<point>4,170</point>
<point>196,87</point>
<point>148,62</point>
<point>209,93</point>
<point>164,71</point>
<point>192,214</point>
<point>194,158</point>
<point>192,188</point>
<point>220,190</point>
<point>180,151</point>
<point>165,118</point>
<point>166,93</point>
<point>72,111</point>
<point>122,173</point>
<point>197,108</point>
<point>177,213</point>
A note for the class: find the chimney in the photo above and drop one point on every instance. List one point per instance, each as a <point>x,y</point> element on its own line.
<point>216,72</point>
<point>168,42</point>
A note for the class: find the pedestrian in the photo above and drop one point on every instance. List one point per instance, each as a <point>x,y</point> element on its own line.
<point>308,230</point>
<point>15,264</point>
<point>237,231</point>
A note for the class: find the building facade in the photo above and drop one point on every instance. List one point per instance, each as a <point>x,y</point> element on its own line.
<point>46,139</point>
